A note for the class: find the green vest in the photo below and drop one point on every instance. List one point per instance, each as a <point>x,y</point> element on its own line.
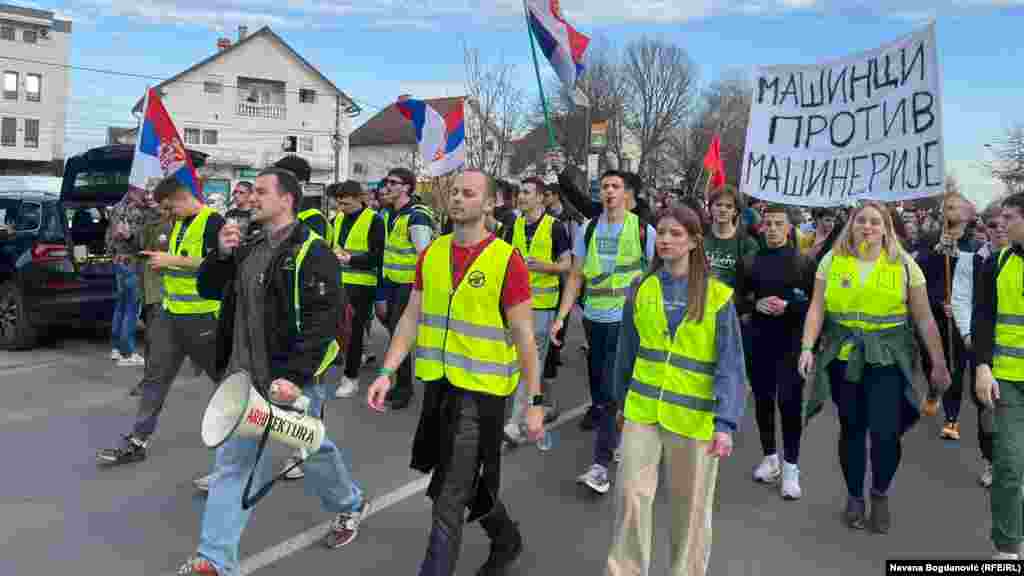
<point>607,291</point>
<point>1008,353</point>
<point>673,377</point>
<point>400,253</point>
<point>543,286</point>
<point>180,286</point>
<point>332,349</point>
<point>357,242</point>
<point>461,334</point>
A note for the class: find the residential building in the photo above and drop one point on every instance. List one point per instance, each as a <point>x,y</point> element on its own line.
<point>387,140</point>
<point>35,83</point>
<point>253,102</point>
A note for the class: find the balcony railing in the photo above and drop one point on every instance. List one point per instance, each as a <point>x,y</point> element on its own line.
<point>271,111</point>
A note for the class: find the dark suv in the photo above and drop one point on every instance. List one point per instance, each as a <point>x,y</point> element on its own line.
<point>54,264</point>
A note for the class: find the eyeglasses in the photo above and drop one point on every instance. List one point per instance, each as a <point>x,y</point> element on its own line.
<point>993,225</point>
<point>393,182</point>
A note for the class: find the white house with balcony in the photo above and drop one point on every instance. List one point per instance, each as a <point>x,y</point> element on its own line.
<point>36,83</point>
<point>253,102</point>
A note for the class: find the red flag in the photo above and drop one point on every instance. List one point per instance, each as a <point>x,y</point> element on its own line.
<point>713,163</point>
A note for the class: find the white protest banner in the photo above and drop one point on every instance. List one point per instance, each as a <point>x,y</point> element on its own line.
<point>868,126</point>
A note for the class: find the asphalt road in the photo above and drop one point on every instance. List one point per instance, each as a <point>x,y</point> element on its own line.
<point>61,514</point>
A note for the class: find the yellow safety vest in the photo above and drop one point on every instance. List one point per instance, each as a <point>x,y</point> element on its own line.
<point>880,304</point>
<point>543,286</point>
<point>462,335</point>
<point>357,242</point>
<point>400,253</point>
<point>607,291</point>
<point>673,377</point>
<point>1008,353</point>
<point>333,348</point>
<point>180,286</point>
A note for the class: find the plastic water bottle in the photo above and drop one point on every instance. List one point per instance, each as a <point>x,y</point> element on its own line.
<point>547,442</point>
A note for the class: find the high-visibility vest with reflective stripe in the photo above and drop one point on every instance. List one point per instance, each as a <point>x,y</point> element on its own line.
<point>543,286</point>
<point>180,286</point>
<point>461,334</point>
<point>333,348</point>
<point>357,242</point>
<point>307,214</point>
<point>400,253</point>
<point>880,304</point>
<point>1008,353</point>
<point>607,291</point>
<point>673,377</point>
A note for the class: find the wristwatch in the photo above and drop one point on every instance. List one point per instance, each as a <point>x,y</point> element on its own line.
<point>537,400</point>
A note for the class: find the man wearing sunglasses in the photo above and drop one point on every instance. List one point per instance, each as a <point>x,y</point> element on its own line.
<point>410,229</point>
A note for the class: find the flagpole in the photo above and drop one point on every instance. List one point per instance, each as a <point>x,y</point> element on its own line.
<point>536,69</point>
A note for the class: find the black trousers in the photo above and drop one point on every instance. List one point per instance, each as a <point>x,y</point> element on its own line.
<point>457,493</point>
<point>396,307</point>
<point>776,382</point>
<point>361,299</point>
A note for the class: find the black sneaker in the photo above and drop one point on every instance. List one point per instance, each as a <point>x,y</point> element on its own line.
<point>504,554</point>
<point>136,390</point>
<point>854,515</point>
<point>880,520</point>
<point>132,450</point>
<point>589,420</point>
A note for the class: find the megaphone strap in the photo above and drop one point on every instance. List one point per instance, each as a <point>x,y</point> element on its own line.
<point>247,501</point>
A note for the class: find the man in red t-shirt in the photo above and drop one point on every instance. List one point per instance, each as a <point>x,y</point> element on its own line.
<point>461,424</point>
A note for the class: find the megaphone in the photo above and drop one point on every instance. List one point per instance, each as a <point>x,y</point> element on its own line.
<point>237,408</point>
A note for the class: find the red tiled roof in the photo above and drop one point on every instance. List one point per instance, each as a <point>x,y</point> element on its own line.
<point>388,127</point>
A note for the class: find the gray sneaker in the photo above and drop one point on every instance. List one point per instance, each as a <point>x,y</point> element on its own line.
<point>295,473</point>
<point>985,478</point>
<point>344,528</point>
<point>596,478</point>
<point>202,483</point>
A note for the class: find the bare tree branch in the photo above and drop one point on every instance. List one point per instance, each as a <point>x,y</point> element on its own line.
<point>1008,163</point>
<point>498,112</point>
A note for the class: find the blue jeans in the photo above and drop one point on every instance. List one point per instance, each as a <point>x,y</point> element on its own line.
<point>126,309</point>
<point>327,476</point>
<point>604,343</point>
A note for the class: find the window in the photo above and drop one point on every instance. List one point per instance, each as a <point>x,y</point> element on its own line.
<point>28,216</point>
<point>210,137</point>
<point>358,168</point>
<point>191,135</point>
<point>31,133</point>
<point>10,85</point>
<point>29,36</point>
<point>307,96</point>
<point>33,87</point>
<point>9,132</point>
<point>306,143</point>
<point>53,229</point>
<point>213,86</point>
<point>7,33</point>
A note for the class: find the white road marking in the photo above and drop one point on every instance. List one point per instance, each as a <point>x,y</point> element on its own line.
<point>316,533</point>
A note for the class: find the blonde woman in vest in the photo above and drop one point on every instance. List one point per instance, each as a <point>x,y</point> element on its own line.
<point>684,399</point>
<point>866,292</point>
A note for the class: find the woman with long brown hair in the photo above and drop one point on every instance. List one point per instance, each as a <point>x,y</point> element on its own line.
<point>680,364</point>
<point>867,289</point>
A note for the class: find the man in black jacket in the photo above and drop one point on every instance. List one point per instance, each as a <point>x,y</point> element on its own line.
<point>285,341</point>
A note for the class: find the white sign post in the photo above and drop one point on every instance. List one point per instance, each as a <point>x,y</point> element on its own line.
<point>867,126</point>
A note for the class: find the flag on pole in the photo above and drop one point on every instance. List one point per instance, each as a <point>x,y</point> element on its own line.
<point>442,139</point>
<point>713,163</point>
<point>159,151</point>
<point>561,43</point>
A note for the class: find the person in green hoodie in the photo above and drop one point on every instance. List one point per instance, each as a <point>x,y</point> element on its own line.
<point>866,292</point>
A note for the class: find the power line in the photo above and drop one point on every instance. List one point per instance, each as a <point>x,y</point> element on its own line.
<point>352,110</point>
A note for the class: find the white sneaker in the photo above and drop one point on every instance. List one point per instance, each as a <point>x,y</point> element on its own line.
<point>133,360</point>
<point>768,471</point>
<point>115,355</point>
<point>790,481</point>
<point>347,388</point>
<point>369,357</point>
<point>985,478</point>
<point>1005,556</point>
<point>202,483</point>
<point>295,473</point>
<point>618,455</point>
<point>513,435</point>
<point>596,478</point>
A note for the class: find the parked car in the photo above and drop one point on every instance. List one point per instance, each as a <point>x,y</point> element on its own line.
<point>54,266</point>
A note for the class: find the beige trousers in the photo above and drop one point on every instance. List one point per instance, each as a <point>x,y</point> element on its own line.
<point>691,476</point>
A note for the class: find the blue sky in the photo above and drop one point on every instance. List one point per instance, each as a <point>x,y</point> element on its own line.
<point>377,49</point>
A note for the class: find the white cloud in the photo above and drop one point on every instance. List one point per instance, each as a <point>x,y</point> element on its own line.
<point>429,15</point>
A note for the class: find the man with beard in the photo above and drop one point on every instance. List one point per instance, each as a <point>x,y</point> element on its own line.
<point>479,290</point>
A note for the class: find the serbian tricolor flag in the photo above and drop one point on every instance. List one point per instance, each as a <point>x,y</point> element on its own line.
<point>159,151</point>
<point>560,42</point>
<point>442,139</point>
<point>713,163</point>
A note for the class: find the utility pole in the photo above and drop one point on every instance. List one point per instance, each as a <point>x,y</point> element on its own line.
<point>336,142</point>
